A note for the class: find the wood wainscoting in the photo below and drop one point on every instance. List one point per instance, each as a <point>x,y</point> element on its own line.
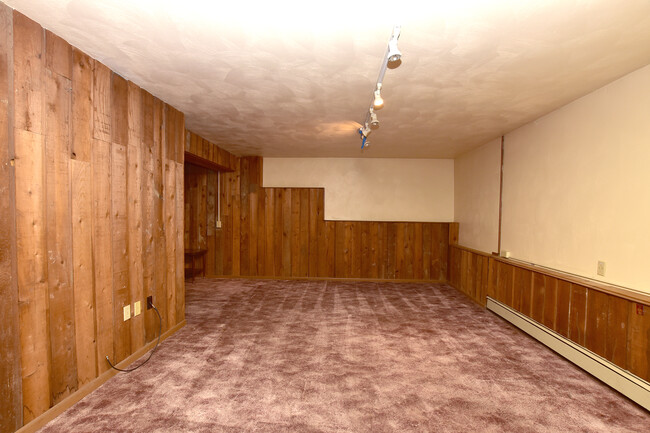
<point>612,322</point>
<point>281,232</point>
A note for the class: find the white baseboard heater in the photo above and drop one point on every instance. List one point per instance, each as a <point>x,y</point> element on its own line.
<point>623,381</point>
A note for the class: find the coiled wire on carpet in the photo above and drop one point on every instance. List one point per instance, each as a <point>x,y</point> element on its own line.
<point>128,370</point>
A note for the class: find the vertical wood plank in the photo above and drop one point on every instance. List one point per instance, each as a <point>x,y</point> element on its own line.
<point>260,230</point>
<point>286,242</point>
<point>82,90</point>
<point>134,182</point>
<point>304,233</point>
<point>269,216</point>
<point>330,250</point>
<point>382,256</point>
<point>58,101</point>
<point>226,217</point>
<point>373,235</point>
<point>596,327</point>
<point>539,291</point>
<point>179,259</point>
<point>170,225</point>
<point>578,314</point>
<point>236,221</point>
<point>210,223</point>
<point>505,281</point>
<point>418,251</point>
<point>245,217</point>
<point>102,251</point>
<point>28,74</point>
<point>340,266</point>
<point>158,196</point>
<point>253,231</point>
<point>295,233</point>
<point>409,250</point>
<point>82,259</point>
<point>485,281</point>
<point>445,240</point>
<point>148,213</point>
<point>366,257</point>
<point>550,301</point>
<point>101,102</point>
<point>58,55</point>
<point>563,307</point>
<point>313,232</point>
<point>617,328</point>
<point>426,251</point>
<point>437,237</point>
<point>279,233</point>
<point>120,239</point>
<point>391,245</point>
<point>10,368</point>
<point>638,343</point>
<point>523,279</point>
<point>119,107</point>
<point>32,273</point>
<point>400,246</point>
<point>492,278</point>
<point>322,235</point>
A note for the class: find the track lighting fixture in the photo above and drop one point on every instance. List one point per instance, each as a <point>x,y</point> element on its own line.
<point>364,132</point>
<point>378,102</point>
<point>374,122</point>
<point>392,59</point>
<point>394,54</point>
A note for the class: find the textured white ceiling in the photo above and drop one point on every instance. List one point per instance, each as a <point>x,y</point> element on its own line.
<point>292,78</point>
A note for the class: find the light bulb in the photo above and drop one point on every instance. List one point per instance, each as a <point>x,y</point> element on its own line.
<point>378,103</point>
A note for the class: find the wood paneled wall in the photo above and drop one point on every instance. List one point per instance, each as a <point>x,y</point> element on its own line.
<point>197,146</point>
<point>281,232</point>
<point>92,181</point>
<point>609,324</point>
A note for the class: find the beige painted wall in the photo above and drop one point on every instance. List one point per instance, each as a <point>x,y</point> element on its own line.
<point>372,189</point>
<point>476,196</point>
<point>577,185</point>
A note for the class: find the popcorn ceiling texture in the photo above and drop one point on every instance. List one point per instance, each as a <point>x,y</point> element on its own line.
<point>290,79</point>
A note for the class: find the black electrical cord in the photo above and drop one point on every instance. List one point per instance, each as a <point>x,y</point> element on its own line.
<point>128,370</point>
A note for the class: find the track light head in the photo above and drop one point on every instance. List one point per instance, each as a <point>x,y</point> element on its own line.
<point>374,122</point>
<point>365,131</point>
<point>394,55</point>
<point>378,103</point>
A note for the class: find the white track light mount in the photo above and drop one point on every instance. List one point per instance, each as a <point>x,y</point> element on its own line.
<point>392,59</point>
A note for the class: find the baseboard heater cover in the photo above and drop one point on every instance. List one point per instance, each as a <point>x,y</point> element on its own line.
<point>633,387</point>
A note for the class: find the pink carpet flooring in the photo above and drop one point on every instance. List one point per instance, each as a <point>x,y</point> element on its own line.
<point>315,356</point>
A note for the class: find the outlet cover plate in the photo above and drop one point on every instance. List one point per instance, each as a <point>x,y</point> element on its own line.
<point>127,312</point>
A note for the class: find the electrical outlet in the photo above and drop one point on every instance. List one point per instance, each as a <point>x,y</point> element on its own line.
<point>601,269</point>
<point>137,309</point>
<point>127,312</point>
<point>149,302</point>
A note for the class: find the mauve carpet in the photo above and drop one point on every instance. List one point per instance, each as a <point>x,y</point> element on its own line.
<point>316,356</point>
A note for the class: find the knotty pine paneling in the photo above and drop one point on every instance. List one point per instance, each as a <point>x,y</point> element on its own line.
<point>93,221</point>
<point>281,232</point>
<point>605,323</point>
